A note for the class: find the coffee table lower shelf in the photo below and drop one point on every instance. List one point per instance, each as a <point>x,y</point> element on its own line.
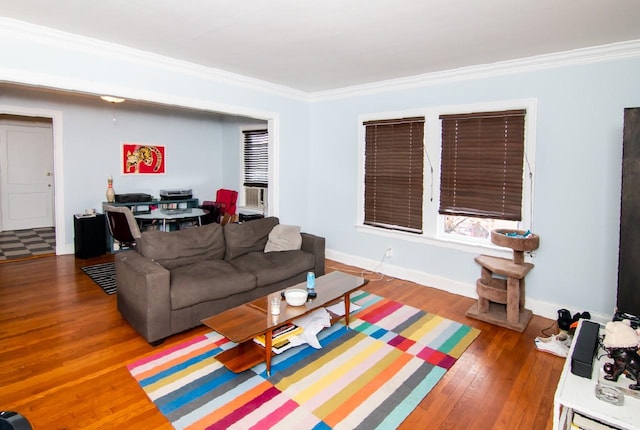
<point>242,356</point>
<point>242,323</point>
<point>247,354</point>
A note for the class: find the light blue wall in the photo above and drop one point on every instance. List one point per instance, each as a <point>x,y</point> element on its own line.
<point>202,148</point>
<point>92,146</point>
<point>36,57</point>
<point>577,178</point>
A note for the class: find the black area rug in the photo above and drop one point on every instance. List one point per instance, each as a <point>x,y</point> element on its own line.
<point>104,275</point>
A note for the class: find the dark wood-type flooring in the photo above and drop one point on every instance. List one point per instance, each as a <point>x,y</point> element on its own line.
<point>64,349</point>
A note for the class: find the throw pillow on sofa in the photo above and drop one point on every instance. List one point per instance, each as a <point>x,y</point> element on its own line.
<point>284,238</point>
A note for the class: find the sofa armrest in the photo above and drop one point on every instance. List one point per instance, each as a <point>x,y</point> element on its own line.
<point>143,295</point>
<point>314,245</point>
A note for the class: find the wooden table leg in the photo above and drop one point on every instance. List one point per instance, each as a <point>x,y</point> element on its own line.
<point>347,305</point>
<point>267,350</point>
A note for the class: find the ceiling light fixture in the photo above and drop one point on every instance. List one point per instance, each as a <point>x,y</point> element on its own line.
<point>112,99</point>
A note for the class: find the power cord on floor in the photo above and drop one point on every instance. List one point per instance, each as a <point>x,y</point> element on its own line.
<point>364,272</point>
<point>544,330</point>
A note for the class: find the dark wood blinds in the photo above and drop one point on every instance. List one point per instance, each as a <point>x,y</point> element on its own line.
<point>482,164</point>
<point>394,173</point>
<point>256,158</point>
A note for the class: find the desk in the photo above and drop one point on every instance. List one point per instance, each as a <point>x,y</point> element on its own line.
<point>171,216</point>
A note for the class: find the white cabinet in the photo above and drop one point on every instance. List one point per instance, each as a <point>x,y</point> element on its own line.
<point>577,394</point>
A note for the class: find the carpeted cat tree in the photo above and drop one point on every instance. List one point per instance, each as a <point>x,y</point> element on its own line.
<point>501,285</point>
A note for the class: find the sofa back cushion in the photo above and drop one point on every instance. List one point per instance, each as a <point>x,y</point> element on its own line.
<point>181,247</point>
<point>248,236</point>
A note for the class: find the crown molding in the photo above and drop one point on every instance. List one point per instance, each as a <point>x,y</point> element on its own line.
<point>89,46</point>
<point>75,85</point>
<point>596,54</point>
<point>59,39</point>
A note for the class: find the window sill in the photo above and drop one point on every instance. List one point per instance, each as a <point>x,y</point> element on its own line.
<point>252,210</point>
<point>461,245</point>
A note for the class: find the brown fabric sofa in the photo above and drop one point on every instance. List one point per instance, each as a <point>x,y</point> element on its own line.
<point>173,280</point>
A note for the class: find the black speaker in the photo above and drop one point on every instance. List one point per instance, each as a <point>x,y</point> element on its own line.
<point>584,351</point>
<point>90,236</point>
<point>10,420</point>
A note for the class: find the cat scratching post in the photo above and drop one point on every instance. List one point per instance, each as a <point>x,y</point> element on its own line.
<point>501,299</point>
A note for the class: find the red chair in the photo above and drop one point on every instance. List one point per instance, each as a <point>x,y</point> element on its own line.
<point>223,209</point>
<point>226,201</point>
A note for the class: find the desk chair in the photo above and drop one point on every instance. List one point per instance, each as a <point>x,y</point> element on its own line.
<point>223,210</point>
<point>214,212</point>
<point>122,225</point>
<point>226,200</point>
<point>226,203</point>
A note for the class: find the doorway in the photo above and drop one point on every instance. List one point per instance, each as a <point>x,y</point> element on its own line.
<point>26,172</point>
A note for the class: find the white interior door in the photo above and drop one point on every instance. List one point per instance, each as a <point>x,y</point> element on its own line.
<point>26,176</point>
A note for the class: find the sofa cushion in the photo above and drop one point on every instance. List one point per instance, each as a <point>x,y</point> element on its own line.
<point>183,247</point>
<point>272,267</point>
<point>284,238</point>
<point>248,236</point>
<point>207,280</point>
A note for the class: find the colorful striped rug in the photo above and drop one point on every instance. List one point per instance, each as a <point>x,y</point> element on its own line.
<point>371,376</point>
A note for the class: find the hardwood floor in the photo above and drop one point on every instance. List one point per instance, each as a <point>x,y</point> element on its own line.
<point>64,349</point>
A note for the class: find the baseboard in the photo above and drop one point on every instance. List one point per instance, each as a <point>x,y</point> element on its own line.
<point>538,307</point>
<point>419,277</point>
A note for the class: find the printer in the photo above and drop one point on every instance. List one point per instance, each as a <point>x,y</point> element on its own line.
<point>132,198</point>
<point>176,194</point>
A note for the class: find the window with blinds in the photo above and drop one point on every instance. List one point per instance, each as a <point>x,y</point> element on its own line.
<point>393,182</point>
<point>482,164</point>
<point>256,158</point>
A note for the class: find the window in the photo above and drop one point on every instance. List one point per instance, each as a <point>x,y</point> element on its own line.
<point>394,154</point>
<point>256,167</point>
<point>481,173</point>
<point>450,174</point>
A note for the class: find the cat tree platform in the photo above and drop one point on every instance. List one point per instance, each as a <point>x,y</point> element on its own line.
<point>501,297</point>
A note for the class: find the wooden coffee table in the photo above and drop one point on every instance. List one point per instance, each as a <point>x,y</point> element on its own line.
<point>242,323</point>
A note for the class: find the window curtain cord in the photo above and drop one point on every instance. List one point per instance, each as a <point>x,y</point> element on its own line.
<point>426,153</point>
<point>526,160</point>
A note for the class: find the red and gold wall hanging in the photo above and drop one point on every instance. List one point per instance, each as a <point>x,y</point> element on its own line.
<point>140,159</point>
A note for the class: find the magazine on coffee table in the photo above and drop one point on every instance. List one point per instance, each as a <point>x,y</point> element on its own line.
<point>280,338</point>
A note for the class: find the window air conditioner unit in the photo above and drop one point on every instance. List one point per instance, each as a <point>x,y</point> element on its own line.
<point>255,197</point>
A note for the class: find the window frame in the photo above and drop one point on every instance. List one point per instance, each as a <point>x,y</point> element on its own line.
<point>433,222</point>
<point>242,187</point>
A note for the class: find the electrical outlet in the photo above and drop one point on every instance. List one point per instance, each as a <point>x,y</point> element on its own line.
<point>388,253</point>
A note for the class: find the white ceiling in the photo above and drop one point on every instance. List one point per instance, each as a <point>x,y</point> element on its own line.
<point>312,46</point>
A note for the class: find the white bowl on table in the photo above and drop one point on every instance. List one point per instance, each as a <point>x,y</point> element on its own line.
<point>295,296</point>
